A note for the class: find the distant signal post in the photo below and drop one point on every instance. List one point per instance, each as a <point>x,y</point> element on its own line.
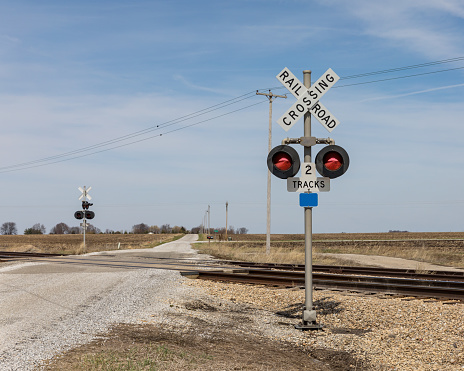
<point>85,213</point>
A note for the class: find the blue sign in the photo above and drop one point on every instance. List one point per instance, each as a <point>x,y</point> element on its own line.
<point>308,199</point>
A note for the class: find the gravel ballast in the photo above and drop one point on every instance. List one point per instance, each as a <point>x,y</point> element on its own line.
<point>380,332</point>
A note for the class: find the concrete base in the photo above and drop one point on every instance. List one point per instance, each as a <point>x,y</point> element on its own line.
<point>309,326</point>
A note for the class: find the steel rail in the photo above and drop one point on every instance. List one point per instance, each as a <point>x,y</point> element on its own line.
<point>385,285</point>
<point>14,254</point>
<point>373,271</point>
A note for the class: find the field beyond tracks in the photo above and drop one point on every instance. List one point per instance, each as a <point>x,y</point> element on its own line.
<point>73,243</point>
<point>442,248</point>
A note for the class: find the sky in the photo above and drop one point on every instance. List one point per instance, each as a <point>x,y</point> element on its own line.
<point>153,105</point>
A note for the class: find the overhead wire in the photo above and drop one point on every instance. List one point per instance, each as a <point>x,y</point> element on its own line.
<point>399,77</point>
<point>137,133</point>
<point>113,143</point>
<point>5,170</point>
<point>457,59</point>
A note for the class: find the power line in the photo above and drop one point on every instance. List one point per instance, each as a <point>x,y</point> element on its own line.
<point>457,59</point>
<point>135,134</point>
<point>389,71</point>
<point>398,77</point>
<point>112,142</point>
<point>24,167</point>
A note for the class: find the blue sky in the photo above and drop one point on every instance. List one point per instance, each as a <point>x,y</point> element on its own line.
<point>79,74</point>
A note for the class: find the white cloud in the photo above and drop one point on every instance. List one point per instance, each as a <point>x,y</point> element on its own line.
<point>413,93</point>
<point>415,25</point>
<point>187,83</point>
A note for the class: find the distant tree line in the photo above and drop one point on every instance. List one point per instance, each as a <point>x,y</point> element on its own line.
<point>165,228</point>
<point>9,228</point>
<point>221,230</point>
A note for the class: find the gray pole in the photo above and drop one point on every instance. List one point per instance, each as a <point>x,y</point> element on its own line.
<point>268,222</point>
<point>227,206</point>
<point>209,220</point>
<point>309,314</point>
<point>271,97</point>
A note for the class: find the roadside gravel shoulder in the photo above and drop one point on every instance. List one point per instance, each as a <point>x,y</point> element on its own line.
<point>368,332</point>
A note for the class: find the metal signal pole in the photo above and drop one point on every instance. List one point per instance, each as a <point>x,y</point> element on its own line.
<point>271,98</point>
<point>309,314</point>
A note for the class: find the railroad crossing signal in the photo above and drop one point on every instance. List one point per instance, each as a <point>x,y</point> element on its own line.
<point>86,213</point>
<point>331,162</point>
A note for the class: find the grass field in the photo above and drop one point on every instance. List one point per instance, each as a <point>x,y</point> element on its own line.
<point>436,248</point>
<point>73,243</point>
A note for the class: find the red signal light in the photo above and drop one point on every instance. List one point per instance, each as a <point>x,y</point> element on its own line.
<point>333,161</point>
<point>282,161</point>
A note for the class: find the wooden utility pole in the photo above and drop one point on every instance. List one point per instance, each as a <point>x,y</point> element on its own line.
<point>227,205</point>
<point>271,98</point>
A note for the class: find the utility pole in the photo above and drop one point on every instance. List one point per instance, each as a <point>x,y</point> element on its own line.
<point>271,98</point>
<point>227,205</point>
<point>209,220</point>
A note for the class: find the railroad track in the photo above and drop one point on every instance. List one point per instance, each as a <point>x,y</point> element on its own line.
<point>371,271</point>
<point>424,288</point>
<point>439,284</point>
<point>8,255</point>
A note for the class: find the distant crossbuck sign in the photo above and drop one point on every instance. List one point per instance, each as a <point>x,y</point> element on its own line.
<point>308,99</point>
<point>85,193</point>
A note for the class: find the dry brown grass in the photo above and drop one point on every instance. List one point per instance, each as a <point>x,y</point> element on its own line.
<point>73,244</point>
<point>435,248</point>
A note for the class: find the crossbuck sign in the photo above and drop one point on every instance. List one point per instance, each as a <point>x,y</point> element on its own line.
<point>85,193</point>
<point>308,99</point>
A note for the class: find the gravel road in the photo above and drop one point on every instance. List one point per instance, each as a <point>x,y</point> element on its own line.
<point>46,308</point>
